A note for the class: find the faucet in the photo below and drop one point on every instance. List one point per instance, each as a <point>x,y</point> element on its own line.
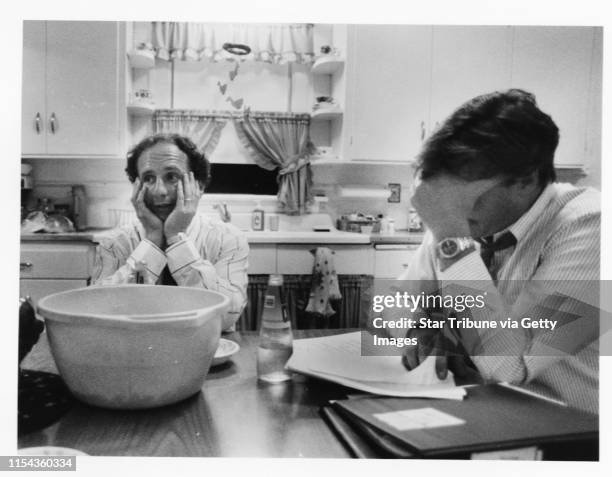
<point>223,210</point>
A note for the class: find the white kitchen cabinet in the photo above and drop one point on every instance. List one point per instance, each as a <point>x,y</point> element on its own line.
<point>262,258</point>
<point>73,93</point>
<point>391,260</point>
<point>467,61</point>
<point>556,64</point>
<point>33,115</point>
<point>403,80</point>
<point>50,267</point>
<point>348,259</point>
<point>388,91</point>
<point>40,288</point>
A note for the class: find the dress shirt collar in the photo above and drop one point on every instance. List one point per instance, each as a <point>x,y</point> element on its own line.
<point>526,221</point>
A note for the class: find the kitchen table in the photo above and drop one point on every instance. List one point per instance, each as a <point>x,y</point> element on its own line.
<point>233,416</point>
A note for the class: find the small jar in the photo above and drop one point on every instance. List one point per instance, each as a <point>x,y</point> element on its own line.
<point>414,221</point>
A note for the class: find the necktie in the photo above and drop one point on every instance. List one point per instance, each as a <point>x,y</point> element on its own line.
<point>488,247</point>
<point>166,277</point>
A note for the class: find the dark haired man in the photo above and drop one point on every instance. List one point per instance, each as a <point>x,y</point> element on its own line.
<point>170,243</point>
<point>497,221</point>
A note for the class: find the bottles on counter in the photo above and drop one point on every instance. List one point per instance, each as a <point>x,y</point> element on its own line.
<point>275,335</point>
<point>79,207</point>
<point>257,218</point>
<point>414,221</point>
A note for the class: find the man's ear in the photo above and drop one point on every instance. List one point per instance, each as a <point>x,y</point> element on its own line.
<point>528,180</point>
<point>201,186</point>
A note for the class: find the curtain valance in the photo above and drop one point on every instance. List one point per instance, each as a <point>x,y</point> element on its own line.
<point>271,43</point>
<point>203,128</point>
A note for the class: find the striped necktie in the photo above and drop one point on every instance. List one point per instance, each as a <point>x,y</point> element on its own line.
<point>488,247</point>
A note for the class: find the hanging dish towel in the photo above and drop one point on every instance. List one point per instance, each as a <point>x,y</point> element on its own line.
<point>324,286</point>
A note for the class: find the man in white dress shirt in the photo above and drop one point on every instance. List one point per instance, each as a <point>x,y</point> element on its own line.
<point>171,244</point>
<point>498,222</point>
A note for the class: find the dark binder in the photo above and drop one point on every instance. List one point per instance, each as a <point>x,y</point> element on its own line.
<point>363,440</point>
<point>495,418</point>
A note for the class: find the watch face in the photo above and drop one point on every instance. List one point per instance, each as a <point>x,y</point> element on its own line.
<point>448,248</point>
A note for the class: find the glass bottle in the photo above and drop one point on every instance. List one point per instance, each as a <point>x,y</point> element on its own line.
<point>275,335</point>
<point>257,218</point>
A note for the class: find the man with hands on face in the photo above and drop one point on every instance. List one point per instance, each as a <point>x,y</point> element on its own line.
<point>497,220</point>
<point>170,243</point>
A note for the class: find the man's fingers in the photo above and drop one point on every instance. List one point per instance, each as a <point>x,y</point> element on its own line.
<point>135,190</point>
<point>180,194</point>
<point>441,366</point>
<point>410,359</point>
<point>458,365</point>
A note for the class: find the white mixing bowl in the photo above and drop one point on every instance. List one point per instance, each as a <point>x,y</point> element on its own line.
<point>133,346</point>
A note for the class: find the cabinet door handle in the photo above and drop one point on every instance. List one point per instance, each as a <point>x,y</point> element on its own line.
<point>52,121</point>
<point>25,265</point>
<point>422,130</point>
<point>37,123</point>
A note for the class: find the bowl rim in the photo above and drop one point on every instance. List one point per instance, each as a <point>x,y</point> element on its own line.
<point>186,318</point>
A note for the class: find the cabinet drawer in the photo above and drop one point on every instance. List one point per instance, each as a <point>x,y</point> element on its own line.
<point>37,289</point>
<point>390,263</point>
<point>53,260</point>
<point>349,259</point>
<point>262,258</point>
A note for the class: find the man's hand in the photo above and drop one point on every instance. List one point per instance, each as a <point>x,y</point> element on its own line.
<point>187,198</point>
<point>153,226</point>
<point>429,342</point>
<point>448,355</point>
<point>444,203</point>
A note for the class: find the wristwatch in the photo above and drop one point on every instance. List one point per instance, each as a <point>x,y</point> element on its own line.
<point>453,247</point>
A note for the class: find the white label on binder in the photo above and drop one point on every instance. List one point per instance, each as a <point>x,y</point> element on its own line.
<point>423,418</point>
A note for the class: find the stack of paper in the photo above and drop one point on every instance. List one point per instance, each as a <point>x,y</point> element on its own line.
<point>338,358</point>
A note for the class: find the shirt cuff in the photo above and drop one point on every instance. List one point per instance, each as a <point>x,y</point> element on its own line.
<point>470,267</point>
<point>180,254</point>
<point>152,256</point>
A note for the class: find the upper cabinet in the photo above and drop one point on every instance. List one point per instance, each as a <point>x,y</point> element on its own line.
<point>73,102</point>
<point>556,64</point>
<point>403,81</point>
<point>467,61</point>
<point>388,83</point>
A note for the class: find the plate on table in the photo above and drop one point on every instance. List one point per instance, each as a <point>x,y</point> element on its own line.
<point>49,450</point>
<point>225,351</point>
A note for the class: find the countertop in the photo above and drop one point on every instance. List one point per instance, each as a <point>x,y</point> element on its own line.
<point>333,237</point>
<point>399,237</point>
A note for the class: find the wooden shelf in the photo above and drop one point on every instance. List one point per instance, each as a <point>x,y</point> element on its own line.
<point>326,114</point>
<point>141,109</point>
<point>327,65</point>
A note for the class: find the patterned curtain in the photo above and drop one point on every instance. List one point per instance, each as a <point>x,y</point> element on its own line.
<point>270,43</point>
<point>349,311</point>
<point>203,128</point>
<point>281,140</point>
